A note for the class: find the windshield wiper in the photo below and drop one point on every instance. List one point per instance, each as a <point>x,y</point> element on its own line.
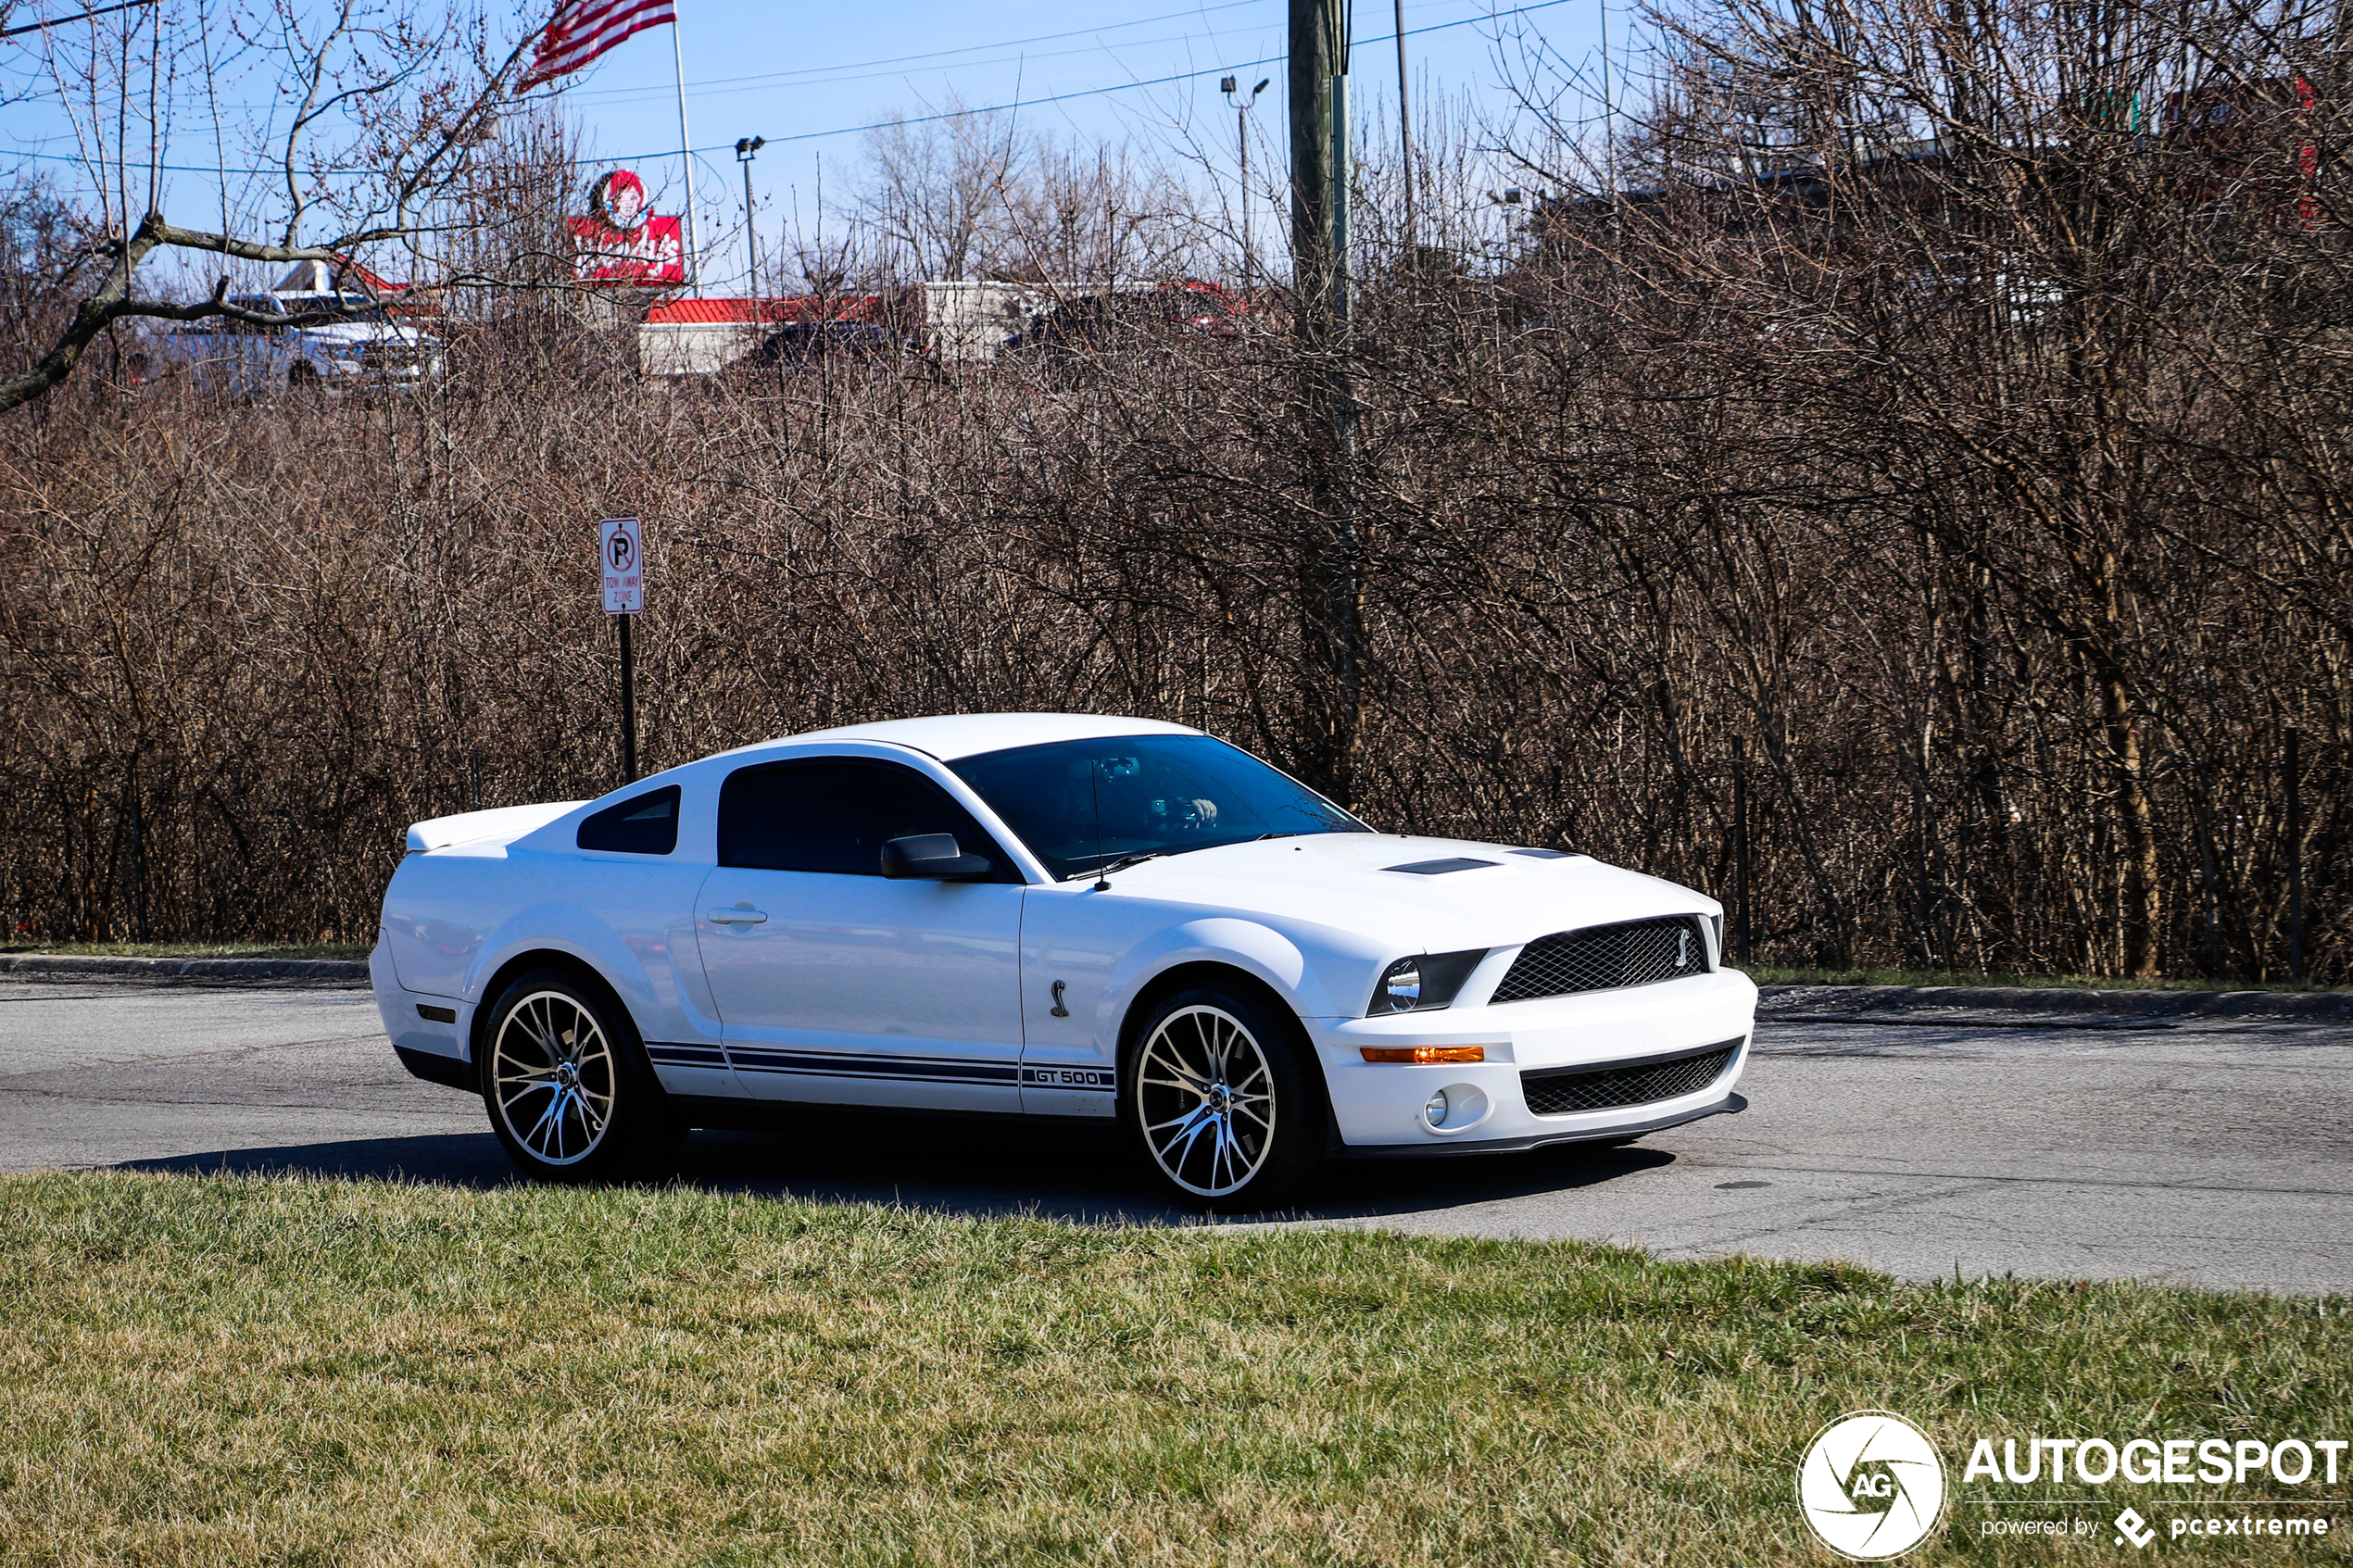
<point>1137,859</point>
<point>1121,864</point>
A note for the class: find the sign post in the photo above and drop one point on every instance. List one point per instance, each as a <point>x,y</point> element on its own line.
<point>620,550</point>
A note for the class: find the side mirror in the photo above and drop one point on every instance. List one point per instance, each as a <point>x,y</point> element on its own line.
<point>937,856</point>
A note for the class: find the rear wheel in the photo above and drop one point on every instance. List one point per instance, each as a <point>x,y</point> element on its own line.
<point>567,1084</point>
<point>1223,1099</point>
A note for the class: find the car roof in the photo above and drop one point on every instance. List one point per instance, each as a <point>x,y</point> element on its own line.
<point>952,736</point>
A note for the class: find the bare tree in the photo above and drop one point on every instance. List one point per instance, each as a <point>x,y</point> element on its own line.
<point>376,112</point>
<point>1935,433</point>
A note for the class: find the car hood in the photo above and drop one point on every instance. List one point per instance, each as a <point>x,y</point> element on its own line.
<point>1350,881</point>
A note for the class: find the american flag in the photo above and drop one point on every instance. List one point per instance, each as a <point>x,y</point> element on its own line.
<point>582,30</point>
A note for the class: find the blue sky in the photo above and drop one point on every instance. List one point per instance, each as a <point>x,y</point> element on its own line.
<point>807,79</point>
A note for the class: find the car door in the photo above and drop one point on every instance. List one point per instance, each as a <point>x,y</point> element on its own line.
<point>836,985</point>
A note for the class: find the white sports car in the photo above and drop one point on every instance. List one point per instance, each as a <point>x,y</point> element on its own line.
<point>1043,915</point>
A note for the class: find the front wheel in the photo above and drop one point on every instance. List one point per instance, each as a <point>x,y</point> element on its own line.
<point>1222,1098</point>
<point>568,1088</point>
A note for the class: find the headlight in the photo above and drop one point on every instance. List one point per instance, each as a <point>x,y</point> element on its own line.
<point>1416,985</point>
<point>1435,1109</point>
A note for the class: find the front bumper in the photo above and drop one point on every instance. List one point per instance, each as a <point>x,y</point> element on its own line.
<point>1379,1106</point>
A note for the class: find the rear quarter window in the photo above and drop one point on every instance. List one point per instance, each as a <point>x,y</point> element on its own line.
<point>643,824</point>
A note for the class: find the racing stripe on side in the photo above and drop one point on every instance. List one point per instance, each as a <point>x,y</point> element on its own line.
<point>896,1069</point>
<point>685,1056</point>
<point>901,1069</point>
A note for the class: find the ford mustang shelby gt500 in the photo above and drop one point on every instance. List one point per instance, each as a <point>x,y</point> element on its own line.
<point>1043,915</point>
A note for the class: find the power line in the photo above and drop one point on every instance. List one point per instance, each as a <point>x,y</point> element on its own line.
<point>759,85</point>
<point>1100,92</point>
<point>921,120</point>
<point>798,76</point>
<point>81,16</point>
<point>820,76</point>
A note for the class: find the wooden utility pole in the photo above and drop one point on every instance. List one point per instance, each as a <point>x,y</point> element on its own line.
<point>1332,575</point>
<point>1405,144</point>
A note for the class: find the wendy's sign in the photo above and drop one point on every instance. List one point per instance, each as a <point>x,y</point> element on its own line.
<point>619,241</point>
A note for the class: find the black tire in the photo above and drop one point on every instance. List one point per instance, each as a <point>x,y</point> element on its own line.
<point>1243,1150</point>
<point>565,1080</point>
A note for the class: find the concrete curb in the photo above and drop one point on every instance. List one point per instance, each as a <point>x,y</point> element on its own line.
<point>215,972</point>
<point>1826,1001</point>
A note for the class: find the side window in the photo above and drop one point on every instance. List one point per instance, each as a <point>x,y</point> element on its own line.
<point>646,825</point>
<point>836,816</point>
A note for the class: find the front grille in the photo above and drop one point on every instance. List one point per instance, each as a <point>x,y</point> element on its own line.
<point>1605,958</point>
<point>1564,1091</point>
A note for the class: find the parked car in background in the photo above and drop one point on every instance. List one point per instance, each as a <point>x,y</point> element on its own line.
<point>808,343</point>
<point>337,337</point>
<point>1126,314</point>
<point>1043,915</point>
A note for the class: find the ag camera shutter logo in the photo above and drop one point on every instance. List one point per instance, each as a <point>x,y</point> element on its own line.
<point>1871,1485</point>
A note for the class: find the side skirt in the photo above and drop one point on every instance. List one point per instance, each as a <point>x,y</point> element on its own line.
<point>818,1116</point>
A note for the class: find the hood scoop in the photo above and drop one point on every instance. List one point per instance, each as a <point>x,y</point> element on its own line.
<point>1440,867</point>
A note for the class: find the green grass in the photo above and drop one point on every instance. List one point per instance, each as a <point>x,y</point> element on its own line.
<point>247,1370</point>
<point>1765,975</point>
<point>192,949</point>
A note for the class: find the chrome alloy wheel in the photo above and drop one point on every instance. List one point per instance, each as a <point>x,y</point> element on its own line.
<point>1205,1099</point>
<point>553,1074</point>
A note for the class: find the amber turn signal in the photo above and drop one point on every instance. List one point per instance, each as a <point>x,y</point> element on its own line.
<point>1424,1055</point>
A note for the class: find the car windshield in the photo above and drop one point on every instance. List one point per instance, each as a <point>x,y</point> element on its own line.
<point>1082,804</point>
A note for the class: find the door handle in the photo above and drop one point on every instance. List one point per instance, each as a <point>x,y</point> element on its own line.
<point>742,914</point>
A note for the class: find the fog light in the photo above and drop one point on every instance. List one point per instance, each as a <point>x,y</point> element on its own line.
<point>1436,1110</point>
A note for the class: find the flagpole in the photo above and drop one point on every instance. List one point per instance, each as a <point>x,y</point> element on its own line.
<point>687,155</point>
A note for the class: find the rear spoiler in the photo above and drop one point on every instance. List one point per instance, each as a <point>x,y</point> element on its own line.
<point>473,827</point>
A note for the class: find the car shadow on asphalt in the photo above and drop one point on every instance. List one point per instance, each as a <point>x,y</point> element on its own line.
<point>981,1169</point>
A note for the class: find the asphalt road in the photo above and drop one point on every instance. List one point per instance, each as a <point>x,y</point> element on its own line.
<point>2213,1153</point>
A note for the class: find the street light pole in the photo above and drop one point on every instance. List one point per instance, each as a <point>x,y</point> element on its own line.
<point>747,148</point>
<point>1241,140</point>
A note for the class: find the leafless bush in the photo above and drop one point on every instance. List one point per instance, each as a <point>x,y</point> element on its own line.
<point>1969,464</point>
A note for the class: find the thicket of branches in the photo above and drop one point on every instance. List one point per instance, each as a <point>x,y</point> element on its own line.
<point>1944,416</point>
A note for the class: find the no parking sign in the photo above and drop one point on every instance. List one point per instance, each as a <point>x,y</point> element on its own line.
<point>621,549</point>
